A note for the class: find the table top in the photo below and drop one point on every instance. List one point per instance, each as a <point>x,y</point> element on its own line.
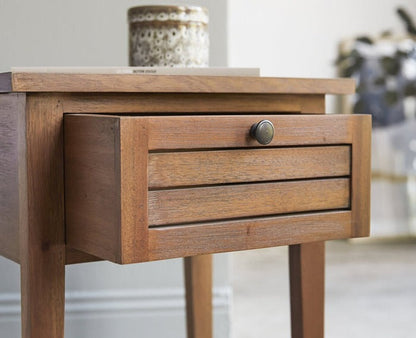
<point>27,81</point>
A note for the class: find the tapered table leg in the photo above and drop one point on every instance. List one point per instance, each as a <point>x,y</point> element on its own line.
<point>307,285</point>
<point>198,283</point>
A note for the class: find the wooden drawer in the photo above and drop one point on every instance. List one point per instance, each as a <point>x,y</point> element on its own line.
<point>142,188</point>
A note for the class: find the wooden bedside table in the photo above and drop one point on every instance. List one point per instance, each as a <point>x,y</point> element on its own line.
<point>134,168</point>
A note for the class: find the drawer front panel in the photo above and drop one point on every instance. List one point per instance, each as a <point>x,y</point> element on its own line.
<point>235,201</point>
<point>141,188</point>
<point>175,169</point>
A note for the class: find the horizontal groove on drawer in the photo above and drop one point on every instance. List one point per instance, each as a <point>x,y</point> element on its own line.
<point>219,185</point>
<point>288,146</point>
<point>166,242</point>
<point>246,200</point>
<point>179,169</point>
<point>247,218</point>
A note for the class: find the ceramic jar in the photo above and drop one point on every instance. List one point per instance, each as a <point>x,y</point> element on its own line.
<point>168,36</point>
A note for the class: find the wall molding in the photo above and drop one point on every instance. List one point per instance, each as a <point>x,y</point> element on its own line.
<point>123,302</point>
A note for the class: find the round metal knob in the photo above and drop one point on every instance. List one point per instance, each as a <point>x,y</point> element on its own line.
<point>262,131</point>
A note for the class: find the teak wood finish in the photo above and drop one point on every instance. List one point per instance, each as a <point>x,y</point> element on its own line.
<point>175,169</point>
<point>307,288</point>
<point>198,284</point>
<point>206,154</point>
<point>170,137</point>
<point>181,206</point>
<point>127,83</point>
<point>42,233</point>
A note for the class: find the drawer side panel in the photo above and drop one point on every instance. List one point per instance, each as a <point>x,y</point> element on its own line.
<point>92,185</point>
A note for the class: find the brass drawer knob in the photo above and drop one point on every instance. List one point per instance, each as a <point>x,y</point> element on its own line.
<point>262,131</point>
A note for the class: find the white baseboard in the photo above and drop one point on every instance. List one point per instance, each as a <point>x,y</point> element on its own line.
<point>122,313</point>
<point>117,302</point>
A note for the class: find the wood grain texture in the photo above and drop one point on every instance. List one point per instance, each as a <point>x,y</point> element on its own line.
<point>193,103</point>
<point>198,286</point>
<point>106,187</point>
<point>42,237</point>
<point>134,187</point>
<point>245,200</point>
<point>92,186</point>
<point>193,132</point>
<point>61,82</point>
<point>107,182</point>
<point>214,237</point>
<point>232,131</point>
<point>178,206</point>
<point>252,165</point>
<point>361,177</point>
<point>307,289</point>
<point>13,201</point>
<point>13,178</point>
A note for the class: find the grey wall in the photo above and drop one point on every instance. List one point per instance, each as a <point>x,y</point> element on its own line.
<point>103,299</point>
<point>83,33</point>
<point>300,38</point>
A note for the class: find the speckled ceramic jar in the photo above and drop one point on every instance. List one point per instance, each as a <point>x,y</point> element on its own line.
<point>168,36</point>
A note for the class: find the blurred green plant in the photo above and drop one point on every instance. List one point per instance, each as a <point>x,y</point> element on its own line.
<point>350,63</point>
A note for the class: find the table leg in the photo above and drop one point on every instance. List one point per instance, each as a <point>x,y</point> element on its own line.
<point>42,229</point>
<point>43,296</point>
<point>307,284</point>
<point>198,283</point>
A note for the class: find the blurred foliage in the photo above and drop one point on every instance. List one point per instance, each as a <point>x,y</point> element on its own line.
<point>352,63</point>
<point>408,21</point>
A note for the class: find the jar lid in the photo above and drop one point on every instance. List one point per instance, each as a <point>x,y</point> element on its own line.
<point>168,13</point>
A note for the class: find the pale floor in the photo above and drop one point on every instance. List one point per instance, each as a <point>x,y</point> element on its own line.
<point>370,291</point>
